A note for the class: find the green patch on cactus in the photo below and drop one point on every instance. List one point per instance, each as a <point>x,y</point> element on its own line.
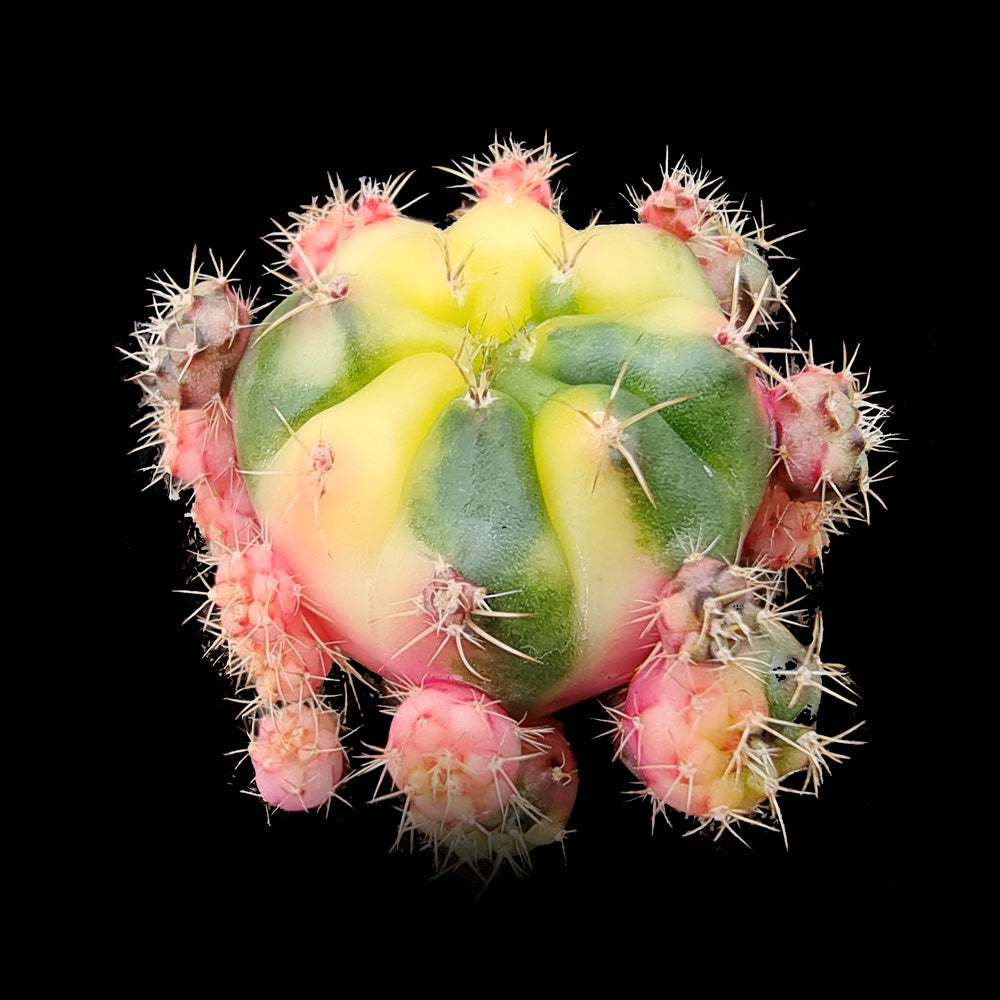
<point>475,499</point>
<point>293,370</point>
<point>679,497</point>
<point>792,689</point>
<point>312,354</point>
<point>667,352</point>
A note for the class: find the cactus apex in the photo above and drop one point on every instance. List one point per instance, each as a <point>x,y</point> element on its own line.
<point>476,785</point>
<point>693,207</point>
<point>319,229</point>
<point>826,426</point>
<point>685,202</point>
<point>297,756</point>
<point>512,171</point>
<point>189,348</point>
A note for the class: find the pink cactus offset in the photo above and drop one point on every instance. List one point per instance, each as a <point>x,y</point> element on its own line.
<point>505,467</point>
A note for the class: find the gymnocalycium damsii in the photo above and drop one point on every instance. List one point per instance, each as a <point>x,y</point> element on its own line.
<point>508,466</point>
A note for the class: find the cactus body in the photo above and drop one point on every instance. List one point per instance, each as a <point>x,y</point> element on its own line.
<point>508,466</point>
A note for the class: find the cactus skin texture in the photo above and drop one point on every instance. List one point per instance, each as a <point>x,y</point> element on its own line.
<point>509,466</point>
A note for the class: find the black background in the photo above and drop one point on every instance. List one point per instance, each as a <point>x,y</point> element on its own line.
<point>161,142</point>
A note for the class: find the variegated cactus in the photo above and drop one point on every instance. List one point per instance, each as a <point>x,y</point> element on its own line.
<point>508,466</point>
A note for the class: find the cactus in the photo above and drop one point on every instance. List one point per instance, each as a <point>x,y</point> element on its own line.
<point>503,468</point>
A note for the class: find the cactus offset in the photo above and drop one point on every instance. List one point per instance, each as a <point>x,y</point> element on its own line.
<point>509,466</point>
